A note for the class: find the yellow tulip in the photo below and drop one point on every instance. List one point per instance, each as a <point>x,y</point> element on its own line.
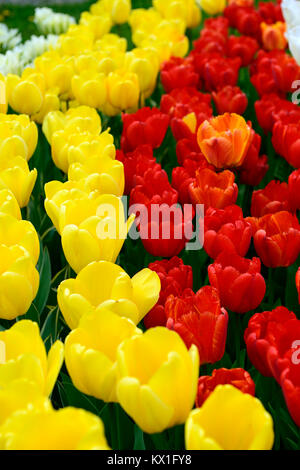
<point>91,352</point>
<point>123,91</point>
<point>48,429</point>
<point>100,24</point>
<point>144,20</point>
<point>93,230</point>
<point>50,103</point>
<point>78,39</point>
<point>3,95</point>
<point>111,43</point>
<point>100,174</point>
<point>58,193</point>
<point>56,70</point>
<point>19,394</point>
<point>21,233</point>
<point>16,176</point>
<point>229,420</point>
<point>17,275</point>
<point>24,356</point>
<point>144,63</point>
<point>72,148</point>
<point>90,89</point>
<point>186,10</point>
<point>9,204</point>
<point>120,10</point>
<point>75,120</point>
<point>131,298</point>
<point>212,7</point>
<point>157,379</point>
<point>18,136</point>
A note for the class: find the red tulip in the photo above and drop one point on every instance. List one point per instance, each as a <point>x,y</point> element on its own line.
<point>210,41</point>
<point>175,277</point>
<point>230,100</point>
<point>270,12</point>
<point>290,384</point>
<point>245,18</point>
<point>238,280</point>
<point>270,109</point>
<point>136,164</point>
<point>273,198</point>
<point>286,141</point>
<point>238,378</point>
<point>219,24</point>
<point>146,126</point>
<point>183,101</point>
<point>262,333</point>
<point>178,73</point>
<point>153,188</point>
<point>277,238</point>
<point>200,320</point>
<point>254,166</point>
<point>226,230</point>
<point>183,176</point>
<point>216,190</point>
<point>217,71</point>
<point>298,283</point>
<point>243,47</point>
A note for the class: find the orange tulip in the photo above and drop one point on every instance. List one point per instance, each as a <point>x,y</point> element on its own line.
<point>273,36</point>
<point>225,140</point>
<point>217,190</point>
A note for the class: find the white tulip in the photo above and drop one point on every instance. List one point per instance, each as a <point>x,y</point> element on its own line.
<point>291,12</point>
<point>293,37</point>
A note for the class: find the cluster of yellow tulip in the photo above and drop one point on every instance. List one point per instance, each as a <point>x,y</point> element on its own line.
<point>90,66</point>
<point>19,243</point>
<point>27,377</point>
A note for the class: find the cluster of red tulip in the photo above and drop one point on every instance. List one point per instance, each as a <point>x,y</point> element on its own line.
<point>215,154</point>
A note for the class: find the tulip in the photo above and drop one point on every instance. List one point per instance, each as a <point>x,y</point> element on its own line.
<point>275,197</point>
<point>238,378</point>
<point>226,230</point>
<point>93,230</point>
<point>91,352</point>
<point>90,89</point>
<point>24,356</point>
<point>56,70</point>
<point>298,283</point>
<point>131,298</point>
<point>294,188</point>
<point>262,334</point>
<point>199,320</point>
<point>3,91</point>
<point>212,7</point>
<point>79,38</point>
<point>21,233</point>
<point>123,92</point>
<point>255,166</point>
<point>243,47</point>
<point>290,385</point>
<point>217,71</point>
<point>286,140</point>
<point>28,94</point>
<point>150,367</point>
<point>99,24</point>
<point>146,127</point>
<point>230,100</point>
<point>211,426</point>
<point>16,176</point>
<point>9,204</point>
<point>184,101</point>
<point>216,190</point>
<point>19,394</point>
<point>174,277</point>
<point>136,164</point>
<point>81,119</point>
<point>48,429</point>
<point>144,63</point>
<point>58,193</point>
<point>187,11</point>
<point>277,239</point>
<point>100,174</point>
<point>238,280</point>
<point>225,140</point>
<point>70,148</point>
<point>291,12</point>
<point>178,73</point>
<point>293,37</point>
<point>273,36</point>
<point>18,136</point>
